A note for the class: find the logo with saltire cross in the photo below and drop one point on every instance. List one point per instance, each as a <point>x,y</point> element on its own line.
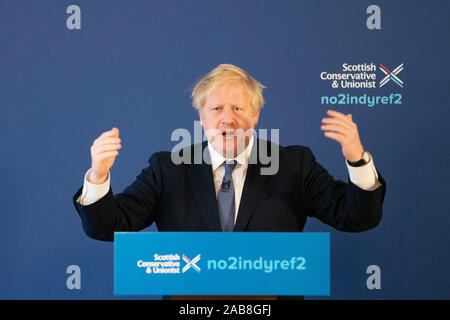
<point>391,75</point>
<point>191,263</point>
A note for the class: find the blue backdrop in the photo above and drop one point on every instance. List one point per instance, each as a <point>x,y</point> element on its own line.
<point>132,65</point>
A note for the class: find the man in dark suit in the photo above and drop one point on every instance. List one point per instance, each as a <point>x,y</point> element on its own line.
<point>228,189</point>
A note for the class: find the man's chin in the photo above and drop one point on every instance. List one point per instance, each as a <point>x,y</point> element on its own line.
<point>229,148</point>
<point>229,151</point>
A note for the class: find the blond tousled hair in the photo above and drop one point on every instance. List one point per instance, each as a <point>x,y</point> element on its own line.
<point>222,74</point>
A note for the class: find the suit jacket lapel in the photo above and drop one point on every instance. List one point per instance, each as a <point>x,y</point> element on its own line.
<point>254,186</point>
<point>202,188</point>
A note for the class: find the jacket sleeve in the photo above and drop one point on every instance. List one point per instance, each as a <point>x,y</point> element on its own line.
<point>132,210</point>
<point>344,206</point>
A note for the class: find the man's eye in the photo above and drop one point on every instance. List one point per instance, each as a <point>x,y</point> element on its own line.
<point>236,108</point>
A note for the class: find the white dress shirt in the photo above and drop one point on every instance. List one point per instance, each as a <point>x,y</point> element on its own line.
<point>239,173</point>
<point>364,177</point>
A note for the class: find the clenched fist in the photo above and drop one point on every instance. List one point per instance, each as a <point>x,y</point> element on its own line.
<point>104,151</point>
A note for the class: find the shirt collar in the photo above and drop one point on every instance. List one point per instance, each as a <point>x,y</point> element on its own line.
<point>242,158</point>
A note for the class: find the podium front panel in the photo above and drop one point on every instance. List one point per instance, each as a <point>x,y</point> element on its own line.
<point>221,263</point>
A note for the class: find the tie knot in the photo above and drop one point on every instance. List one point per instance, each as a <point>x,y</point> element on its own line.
<point>229,166</point>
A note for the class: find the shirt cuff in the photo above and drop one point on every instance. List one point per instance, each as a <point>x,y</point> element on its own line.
<point>93,192</point>
<point>364,177</point>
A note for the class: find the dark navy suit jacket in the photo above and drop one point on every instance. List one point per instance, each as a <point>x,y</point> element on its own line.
<point>182,198</point>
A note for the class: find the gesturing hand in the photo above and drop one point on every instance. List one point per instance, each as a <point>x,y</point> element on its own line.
<point>104,151</point>
<point>340,127</point>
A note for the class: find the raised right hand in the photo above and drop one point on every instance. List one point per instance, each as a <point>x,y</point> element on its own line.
<point>104,151</point>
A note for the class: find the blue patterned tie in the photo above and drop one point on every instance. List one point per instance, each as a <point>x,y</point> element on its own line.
<point>225,199</point>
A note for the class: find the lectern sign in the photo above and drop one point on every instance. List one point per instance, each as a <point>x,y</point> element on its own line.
<point>221,263</point>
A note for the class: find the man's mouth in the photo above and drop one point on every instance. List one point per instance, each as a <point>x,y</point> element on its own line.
<point>228,133</point>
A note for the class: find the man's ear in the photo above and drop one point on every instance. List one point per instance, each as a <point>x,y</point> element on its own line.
<point>200,116</point>
<point>256,118</point>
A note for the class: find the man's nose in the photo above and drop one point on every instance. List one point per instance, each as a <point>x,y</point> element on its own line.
<point>227,116</point>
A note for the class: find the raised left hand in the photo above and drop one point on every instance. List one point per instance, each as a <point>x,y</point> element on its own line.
<point>340,127</point>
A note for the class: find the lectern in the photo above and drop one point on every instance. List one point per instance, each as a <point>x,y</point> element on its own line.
<point>221,263</point>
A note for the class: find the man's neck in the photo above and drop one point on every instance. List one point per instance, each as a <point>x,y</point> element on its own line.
<point>217,158</point>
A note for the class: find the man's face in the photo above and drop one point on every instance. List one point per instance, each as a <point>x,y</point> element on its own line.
<point>228,118</point>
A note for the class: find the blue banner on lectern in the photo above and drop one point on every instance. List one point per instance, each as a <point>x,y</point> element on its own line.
<point>221,263</point>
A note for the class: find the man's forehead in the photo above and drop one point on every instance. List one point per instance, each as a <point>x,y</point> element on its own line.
<point>229,91</point>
